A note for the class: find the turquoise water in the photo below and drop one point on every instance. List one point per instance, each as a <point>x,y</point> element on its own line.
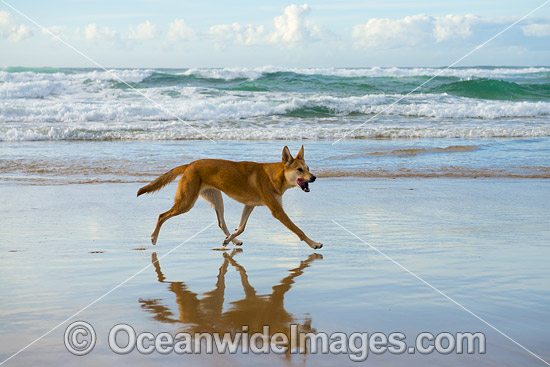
<point>273,103</point>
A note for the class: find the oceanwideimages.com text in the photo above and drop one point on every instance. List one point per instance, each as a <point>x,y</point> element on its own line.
<point>122,338</point>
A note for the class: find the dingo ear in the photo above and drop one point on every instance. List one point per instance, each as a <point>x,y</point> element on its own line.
<point>300,153</point>
<point>287,157</point>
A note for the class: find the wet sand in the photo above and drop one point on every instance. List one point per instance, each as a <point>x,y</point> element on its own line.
<point>482,242</point>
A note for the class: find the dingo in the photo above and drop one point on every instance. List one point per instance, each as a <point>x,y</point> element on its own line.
<point>250,183</point>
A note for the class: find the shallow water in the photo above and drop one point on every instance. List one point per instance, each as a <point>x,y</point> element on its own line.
<point>482,242</point>
<point>135,161</point>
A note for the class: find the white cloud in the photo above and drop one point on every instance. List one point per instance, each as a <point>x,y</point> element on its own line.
<point>536,30</point>
<point>290,28</point>
<point>178,30</point>
<point>144,31</point>
<point>293,27</point>
<point>22,32</point>
<point>243,34</point>
<point>387,33</point>
<point>453,26</point>
<point>418,30</point>
<point>11,29</point>
<point>55,30</point>
<point>93,33</point>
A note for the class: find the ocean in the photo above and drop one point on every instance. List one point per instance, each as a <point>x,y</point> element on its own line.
<point>464,122</point>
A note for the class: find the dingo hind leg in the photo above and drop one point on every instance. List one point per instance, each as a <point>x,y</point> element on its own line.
<point>186,196</point>
<point>244,218</point>
<point>215,199</point>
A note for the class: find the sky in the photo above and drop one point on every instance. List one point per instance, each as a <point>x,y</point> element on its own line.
<point>189,34</point>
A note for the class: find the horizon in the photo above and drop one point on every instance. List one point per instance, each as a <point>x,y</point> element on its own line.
<point>288,68</point>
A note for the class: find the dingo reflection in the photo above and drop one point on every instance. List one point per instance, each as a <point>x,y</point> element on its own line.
<point>206,314</point>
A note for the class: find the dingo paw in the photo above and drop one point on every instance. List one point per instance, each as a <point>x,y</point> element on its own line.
<point>316,245</point>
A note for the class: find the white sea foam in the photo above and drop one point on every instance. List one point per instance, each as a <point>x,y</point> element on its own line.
<point>39,85</point>
<point>216,131</point>
<point>230,73</point>
<point>30,84</point>
<point>196,105</point>
<point>127,75</point>
<point>30,89</point>
<point>463,73</point>
<point>138,75</point>
<point>408,72</point>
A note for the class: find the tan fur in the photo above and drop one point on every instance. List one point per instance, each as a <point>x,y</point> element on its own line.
<point>163,180</point>
<point>253,184</point>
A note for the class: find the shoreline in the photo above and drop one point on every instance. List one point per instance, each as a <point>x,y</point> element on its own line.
<point>45,182</point>
<point>136,161</point>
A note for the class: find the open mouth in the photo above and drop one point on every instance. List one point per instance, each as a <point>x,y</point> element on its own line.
<point>304,185</point>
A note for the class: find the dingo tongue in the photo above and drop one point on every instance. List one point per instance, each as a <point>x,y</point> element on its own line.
<point>304,185</point>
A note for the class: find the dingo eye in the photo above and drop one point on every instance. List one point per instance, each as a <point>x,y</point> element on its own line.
<point>300,170</point>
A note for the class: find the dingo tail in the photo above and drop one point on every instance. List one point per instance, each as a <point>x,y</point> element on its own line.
<point>163,180</point>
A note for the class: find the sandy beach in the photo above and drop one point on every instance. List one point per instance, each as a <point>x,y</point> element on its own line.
<point>482,242</point>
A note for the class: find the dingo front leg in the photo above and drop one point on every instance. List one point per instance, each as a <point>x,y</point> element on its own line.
<point>278,212</point>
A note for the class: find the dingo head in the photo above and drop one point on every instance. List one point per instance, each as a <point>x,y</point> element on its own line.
<point>296,170</point>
